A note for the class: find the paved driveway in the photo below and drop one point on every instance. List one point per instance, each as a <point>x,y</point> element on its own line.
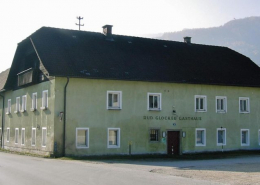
<point>18,169</point>
<point>238,170</point>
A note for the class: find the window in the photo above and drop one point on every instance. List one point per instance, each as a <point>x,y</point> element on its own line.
<point>33,136</point>
<point>23,136</point>
<point>244,105</point>
<point>34,102</point>
<point>113,138</point>
<point>26,77</point>
<point>82,137</point>
<point>44,100</point>
<point>8,111</point>
<point>24,98</point>
<point>16,135</point>
<point>200,103</point>
<point>221,104</point>
<point>114,99</point>
<point>221,136</point>
<point>245,137</point>
<point>259,137</point>
<point>154,101</point>
<point>200,137</point>
<point>17,105</point>
<point>154,134</point>
<point>8,134</point>
<point>44,136</point>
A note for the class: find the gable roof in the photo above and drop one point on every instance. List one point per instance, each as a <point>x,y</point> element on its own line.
<point>93,55</point>
<point>3,78</point>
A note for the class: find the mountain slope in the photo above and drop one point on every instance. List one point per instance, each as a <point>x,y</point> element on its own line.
<point>242,35</point>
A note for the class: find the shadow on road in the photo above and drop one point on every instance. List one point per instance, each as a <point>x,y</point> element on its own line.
<point>227,161</point>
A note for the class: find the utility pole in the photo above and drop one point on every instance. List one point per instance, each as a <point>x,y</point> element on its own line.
<point>79,18</point>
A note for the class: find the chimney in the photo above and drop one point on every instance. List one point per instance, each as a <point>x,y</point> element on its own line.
<point>107,30</point>
<point>187,40</point>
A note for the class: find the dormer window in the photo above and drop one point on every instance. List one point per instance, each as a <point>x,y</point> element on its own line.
<point>26,77</point>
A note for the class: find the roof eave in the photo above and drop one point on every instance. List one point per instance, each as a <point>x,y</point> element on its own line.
<point>160,81</point>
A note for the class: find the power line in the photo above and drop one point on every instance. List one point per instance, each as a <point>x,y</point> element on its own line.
<point>79,18</point>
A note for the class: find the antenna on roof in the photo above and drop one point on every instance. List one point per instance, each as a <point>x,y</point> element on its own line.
<point>79,18</point>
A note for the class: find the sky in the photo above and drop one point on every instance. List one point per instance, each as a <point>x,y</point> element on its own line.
<point>20,18</point>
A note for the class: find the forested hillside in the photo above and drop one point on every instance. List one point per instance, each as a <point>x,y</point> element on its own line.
<point>242,35</point>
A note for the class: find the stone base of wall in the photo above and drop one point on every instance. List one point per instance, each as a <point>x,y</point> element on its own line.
<point>219,151</point>
<point>29,151</point>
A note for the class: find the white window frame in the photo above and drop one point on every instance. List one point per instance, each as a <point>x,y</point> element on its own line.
<point>16,136</point>
<point>118,138</point>
<point>259,137</point>
<point>44,137</point>
<point>17,105</point>
<point>159,95</point>
<point>24,102</point>
<point>247,138</point>
<point>225,138</point>
<point>23,136</point>
<point>224,98</point>
<point>34,101</point>
<point>247,105</point>
<point>33,143</point>
<point>86,137</point>
<point>204,135</point>
<point>204,97</point>
<point>9,106</point>
<point>119,93</point>
<point>44,100</point>
<point>8,134</point>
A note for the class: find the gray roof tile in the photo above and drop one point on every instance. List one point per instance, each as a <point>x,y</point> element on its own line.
<point>3,78</point>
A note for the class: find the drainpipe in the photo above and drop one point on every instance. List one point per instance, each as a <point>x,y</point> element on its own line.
<point>64,121</point>
<point>3,114</point>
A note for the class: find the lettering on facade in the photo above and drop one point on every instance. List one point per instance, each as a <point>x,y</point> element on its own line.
<point>190,118</point>
<point>166,118</point>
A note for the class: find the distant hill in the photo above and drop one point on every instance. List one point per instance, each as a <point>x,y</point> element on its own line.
<point>242,35</point>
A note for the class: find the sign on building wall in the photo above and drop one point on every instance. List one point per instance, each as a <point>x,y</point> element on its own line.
<point>169,118</point>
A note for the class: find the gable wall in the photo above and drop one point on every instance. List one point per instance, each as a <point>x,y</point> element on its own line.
<point>30,119</point>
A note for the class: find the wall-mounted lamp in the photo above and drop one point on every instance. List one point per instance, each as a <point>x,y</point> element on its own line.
<point>163,134</point>
<point>61,114</point>
<point>38,127</point>
<point>183,134</point>
<point>174,110</point>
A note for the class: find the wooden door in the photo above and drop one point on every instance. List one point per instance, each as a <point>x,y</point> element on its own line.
<point>173,142</point>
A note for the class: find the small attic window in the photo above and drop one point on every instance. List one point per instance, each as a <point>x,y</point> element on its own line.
<point>130,42</point>
<point>165,46</point>
<point>26,77</point>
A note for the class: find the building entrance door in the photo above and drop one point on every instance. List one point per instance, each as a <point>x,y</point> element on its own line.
<point>173,142</point>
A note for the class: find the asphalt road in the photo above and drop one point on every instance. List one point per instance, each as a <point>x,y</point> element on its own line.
<point>25,170</point>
